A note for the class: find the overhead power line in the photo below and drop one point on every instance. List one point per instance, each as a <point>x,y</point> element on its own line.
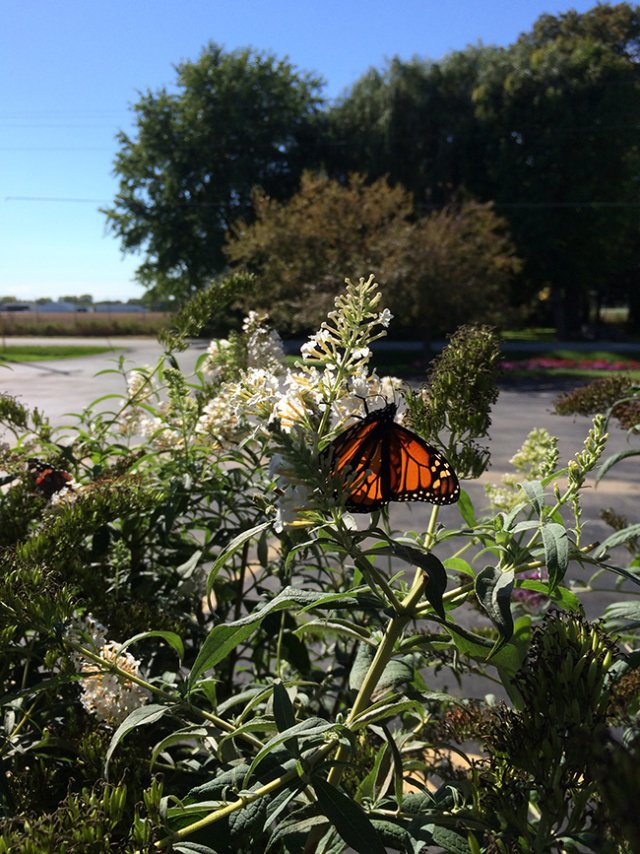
<point>188,204</point>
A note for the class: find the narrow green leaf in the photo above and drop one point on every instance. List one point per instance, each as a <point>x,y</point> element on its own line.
<point>466,510</point>
<point>534,491</point>
<point>509,518</point>
<point>333,626</point>
<point>436,575</point>
<point>435,584</point>
<point>562,596</point>
<point>226,636</point>
<point>218,644</point>
<point>384,711</point>
<point>141,716</point>
<point>457,564</point>
<point>235,545</point>
<point>618,538</point>
<point>613,460</point>
<point>192,848</point>
<point>308,728</point>
<point>348,818</point>
<point>360,666</point>
<point>556,552</point>
<point>174,640</point>
<point>180,736</point>
<point>284,714</point>
<point>493,589</point>
<point>282,707</point>
<point>450,840</point>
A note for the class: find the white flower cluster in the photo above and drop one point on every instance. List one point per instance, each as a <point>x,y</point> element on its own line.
<point>140,389</point>
<point>108,694</point>
<point>105,693</point>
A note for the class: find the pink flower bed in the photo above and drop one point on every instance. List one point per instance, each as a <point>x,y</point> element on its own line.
<point>542,363</point>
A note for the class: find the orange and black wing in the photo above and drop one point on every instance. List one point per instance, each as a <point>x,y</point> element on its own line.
<point>418,472</point>
<point>380,461</point>
<point>356,458</point>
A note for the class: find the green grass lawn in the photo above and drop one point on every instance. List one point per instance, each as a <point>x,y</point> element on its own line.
<point>40,352</point>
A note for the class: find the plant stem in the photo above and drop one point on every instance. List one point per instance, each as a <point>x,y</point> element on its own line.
<point>383,655</point>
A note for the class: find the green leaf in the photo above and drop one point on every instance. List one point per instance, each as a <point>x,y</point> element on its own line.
<point>556,552</point>
<point>620,570</point>
<point>450,840</point>
<point>493,589</point>
<point>180,736</point>
<point>562,596</point>
<point>393,835</point>
<point>284,714</point>
<point>226,636</point>
<point>436,575</point>
<point>466,510</point>
<point>141,716</point>
<point>613,460</point>
<point>348,818</point>
<point>457,564</point>
<point>509,518</point>
<point>218,644</point>
<point>534,491</point>
<point>360,666</point>
<point>618,538</point>
<point>235,545</point>
<point>174,640</point>
<point>333,626</point>
<point>308,728</point>
<point>192,848</point>
<point>509,659</point>
<point>383,710</point>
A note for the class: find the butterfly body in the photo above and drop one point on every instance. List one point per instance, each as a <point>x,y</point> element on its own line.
<point>47,479</point>
<point>382,461</point>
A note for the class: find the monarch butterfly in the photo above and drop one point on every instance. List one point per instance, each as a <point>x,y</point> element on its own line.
<point>384,461</point>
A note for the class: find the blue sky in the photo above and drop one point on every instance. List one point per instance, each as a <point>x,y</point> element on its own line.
<point>72,68</point>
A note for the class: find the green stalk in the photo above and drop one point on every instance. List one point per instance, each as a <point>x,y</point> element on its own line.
<point>242,801</point>
<point>384,653</point>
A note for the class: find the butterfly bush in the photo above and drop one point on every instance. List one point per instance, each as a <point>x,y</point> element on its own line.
<point>291,691</point>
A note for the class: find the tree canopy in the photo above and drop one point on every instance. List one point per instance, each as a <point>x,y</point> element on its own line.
<point>234,121</point>
<point>545,130</point>
<point>455,265</point>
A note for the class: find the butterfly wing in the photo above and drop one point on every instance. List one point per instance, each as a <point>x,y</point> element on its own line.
<point>356,458</point>
<point>417,471</point>
<point>381,461</point>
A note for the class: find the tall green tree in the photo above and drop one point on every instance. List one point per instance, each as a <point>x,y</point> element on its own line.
<point>545,128</point>
<point>560,111</point>
<point>413,121</point>
<point>232,121</point>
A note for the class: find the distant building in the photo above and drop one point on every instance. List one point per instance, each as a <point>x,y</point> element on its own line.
<point>16,306</point>
<point>42,307</point>
<point>123,307</point>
